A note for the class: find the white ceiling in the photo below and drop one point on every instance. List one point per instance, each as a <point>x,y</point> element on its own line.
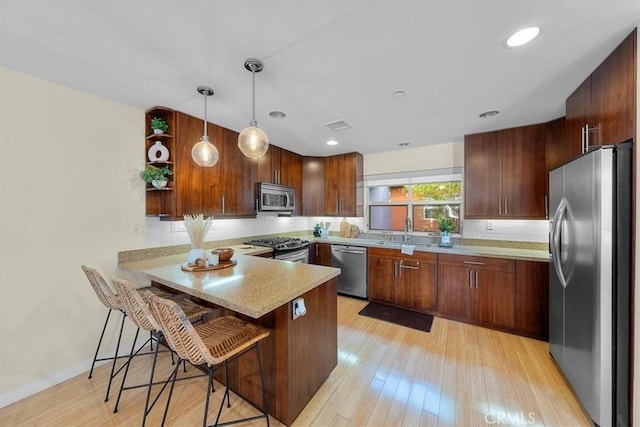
<point>323,60</point>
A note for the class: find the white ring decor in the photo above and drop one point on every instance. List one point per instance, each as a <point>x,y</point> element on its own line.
<point>158,152</point>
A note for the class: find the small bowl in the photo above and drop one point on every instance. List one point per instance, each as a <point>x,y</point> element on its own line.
<point>224,254</point>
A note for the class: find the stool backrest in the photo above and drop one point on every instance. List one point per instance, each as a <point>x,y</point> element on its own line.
<point>178,330</point>
<point>102,289</point>
<point>137,309</point>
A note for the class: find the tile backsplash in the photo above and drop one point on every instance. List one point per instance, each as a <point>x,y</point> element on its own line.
<point>167,233</point>
<point>507,229</point>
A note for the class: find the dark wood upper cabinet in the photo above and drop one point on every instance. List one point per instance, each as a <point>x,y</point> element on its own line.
<point>226,189</point>
<point>602,110</point>
<point>284,167</point>
<point>505,173</point>
<point>344,185</point>
<point>557,150</point>
<point>313,192</point>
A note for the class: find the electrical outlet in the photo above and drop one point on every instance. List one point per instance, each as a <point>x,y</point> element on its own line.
<point>177,226</point>
<point>489,225</point>
<point>298,308</point>
<point>137,229</point>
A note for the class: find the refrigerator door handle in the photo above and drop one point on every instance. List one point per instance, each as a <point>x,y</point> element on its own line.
<point>556,235</point>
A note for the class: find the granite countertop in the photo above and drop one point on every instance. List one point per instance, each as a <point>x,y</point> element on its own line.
<point>255,286</point>
<point>487,251</point>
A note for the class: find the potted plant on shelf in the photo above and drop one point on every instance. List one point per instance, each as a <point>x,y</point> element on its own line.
<point>156,176</point>
<point>159,125</point>
<point>445,225</point>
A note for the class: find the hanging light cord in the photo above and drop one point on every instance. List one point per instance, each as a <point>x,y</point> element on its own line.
<point>253,117</point>
<point>204,135</point>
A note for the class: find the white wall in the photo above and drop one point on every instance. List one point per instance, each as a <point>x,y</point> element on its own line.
<point>440,156</point>
<point>69,196</point>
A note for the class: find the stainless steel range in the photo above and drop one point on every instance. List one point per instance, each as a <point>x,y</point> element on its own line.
<point>286,248</point>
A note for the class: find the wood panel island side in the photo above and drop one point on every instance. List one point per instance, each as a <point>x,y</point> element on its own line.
<point>299,354</point>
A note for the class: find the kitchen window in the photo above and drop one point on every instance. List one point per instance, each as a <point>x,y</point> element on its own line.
<point>424,200</point>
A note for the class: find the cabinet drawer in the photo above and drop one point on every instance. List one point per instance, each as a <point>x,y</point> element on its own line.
<point>429,257</point>
<point>478,263</point>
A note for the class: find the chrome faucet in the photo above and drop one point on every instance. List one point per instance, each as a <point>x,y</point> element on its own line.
<point>407,229</point>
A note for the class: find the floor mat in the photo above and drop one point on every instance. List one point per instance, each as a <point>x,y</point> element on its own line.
<point>398,316</point>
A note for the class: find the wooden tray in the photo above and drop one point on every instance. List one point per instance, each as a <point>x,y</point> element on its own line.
<point>223,264</point>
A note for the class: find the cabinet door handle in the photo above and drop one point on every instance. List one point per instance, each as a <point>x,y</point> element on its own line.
<point>473,262</point>
<point>476,279</point>
<point>222,198</point>
<point>470,279</point>
<point>582,139</point>
<point>499,205</point>
<point>586,138</point>
<point>410,267</point>
<point>317,254</point>
<point>395,269</point>
<point>506,207</point>
<point>546,207</point>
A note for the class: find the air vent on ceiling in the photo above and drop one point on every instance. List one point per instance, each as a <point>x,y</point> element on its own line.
<point>338,125</point>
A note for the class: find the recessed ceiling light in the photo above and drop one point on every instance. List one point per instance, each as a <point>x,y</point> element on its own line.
<point>398,94</point>
<point>277,114</point>
<point>332,142</point>
<point>489,114</point>
<point>523,36</point>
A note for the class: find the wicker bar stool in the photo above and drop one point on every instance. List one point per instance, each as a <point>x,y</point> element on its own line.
<point>210,345</point>
<point>110,300</point>
<point>139,312</point>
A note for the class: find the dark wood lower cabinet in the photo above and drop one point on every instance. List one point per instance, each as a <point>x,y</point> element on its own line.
<point>505,294</point>
<point>320,254</point>
<point>297,356</point>
<point>479,289</point>
<point>498,293</point>
<point>532,298</point>
<point>408,281</point>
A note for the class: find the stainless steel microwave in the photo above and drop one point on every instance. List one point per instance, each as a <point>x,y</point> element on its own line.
<point>275,198</point>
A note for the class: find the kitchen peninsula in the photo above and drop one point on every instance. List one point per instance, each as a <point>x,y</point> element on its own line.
<point>261,290</point>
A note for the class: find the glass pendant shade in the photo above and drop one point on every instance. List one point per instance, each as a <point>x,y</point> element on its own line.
<point>253,142</point>
<point>205,153</point>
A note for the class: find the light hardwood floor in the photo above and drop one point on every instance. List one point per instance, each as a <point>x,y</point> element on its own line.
<point>457,375</point>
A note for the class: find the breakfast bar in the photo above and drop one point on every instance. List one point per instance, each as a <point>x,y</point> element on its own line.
<point>299,354</point>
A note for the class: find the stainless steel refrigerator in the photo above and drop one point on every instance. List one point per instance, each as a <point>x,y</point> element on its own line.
<point>589,283</point>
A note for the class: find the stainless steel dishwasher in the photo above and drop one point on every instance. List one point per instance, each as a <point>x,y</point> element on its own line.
<point>352,260</point>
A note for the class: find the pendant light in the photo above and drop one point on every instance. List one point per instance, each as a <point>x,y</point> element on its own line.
<point>203,152</point>
<point>252,141</point>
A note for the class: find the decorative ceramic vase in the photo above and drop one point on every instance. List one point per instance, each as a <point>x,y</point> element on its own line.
<point>158,152</point>
<point>159,183</point>
<point>195,254</point>
<point>158,131</point>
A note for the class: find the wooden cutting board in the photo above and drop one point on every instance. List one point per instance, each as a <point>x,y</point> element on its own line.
<point>195,268</point>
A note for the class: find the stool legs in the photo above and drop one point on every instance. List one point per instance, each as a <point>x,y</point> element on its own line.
<point>115,358</point>
<point>95,356</point>
<point>264,390</point>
